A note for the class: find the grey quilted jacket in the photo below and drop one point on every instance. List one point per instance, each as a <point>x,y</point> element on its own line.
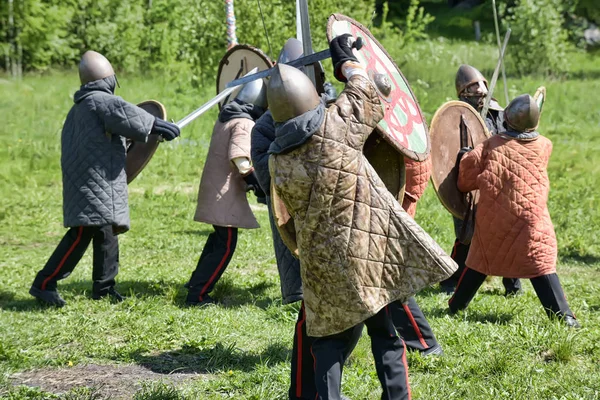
<point>288,266</point>
<point>93,155</point>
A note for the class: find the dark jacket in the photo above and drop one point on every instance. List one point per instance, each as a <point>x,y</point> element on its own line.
<point>93,155</point>
<point>263,134</point>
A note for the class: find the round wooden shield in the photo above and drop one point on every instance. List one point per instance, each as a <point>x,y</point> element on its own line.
<point>388,163</point>
<point>403,124</point>
<point>138,153</point>
<point>237,62</point>
<point>454,125</point>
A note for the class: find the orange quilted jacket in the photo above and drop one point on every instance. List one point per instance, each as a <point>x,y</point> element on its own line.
<point>417,176</point>
<point>514,236</point>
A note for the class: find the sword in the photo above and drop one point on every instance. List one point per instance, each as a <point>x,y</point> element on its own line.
<point>305,37</point>
<point>498,40</point>
<point>488,98</point>
<point>300,62</point>
<point>209,104</point>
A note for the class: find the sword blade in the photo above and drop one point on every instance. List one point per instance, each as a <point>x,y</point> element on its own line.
<point>488,98</point>
<point>499,48</point>
<point>209,104</point>
<point>300,62</point>
<point>302,8</point>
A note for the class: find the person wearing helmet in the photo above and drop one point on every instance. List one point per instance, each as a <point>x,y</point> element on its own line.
<point>358,248</point>
<point>514,235</point>
<point>472,88</point>
<point>302,383</point>
<point>93,152</point>
<point>227,175</point>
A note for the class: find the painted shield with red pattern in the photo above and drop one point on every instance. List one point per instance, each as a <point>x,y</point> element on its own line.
<point>403,124</point>
<point>140,153</point>
<point>237,62</point>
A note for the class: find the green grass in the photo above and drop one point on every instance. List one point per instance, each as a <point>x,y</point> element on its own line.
<point>499,348</point>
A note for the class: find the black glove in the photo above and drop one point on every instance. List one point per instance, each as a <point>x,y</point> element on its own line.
<point>341,51</point>
<point>166,129</point>
<point>252,182</point>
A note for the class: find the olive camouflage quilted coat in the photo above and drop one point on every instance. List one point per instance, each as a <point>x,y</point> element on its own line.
<point>358,249</point>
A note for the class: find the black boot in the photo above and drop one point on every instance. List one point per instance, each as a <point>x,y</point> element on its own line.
<point>112,293</point>
<point>47,297</point>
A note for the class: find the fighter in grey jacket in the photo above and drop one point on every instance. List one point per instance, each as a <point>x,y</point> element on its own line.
<point>93,156</point>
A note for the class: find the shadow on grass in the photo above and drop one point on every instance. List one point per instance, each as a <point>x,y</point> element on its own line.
<point>126,287</point>
<point>199,232</point>
<point>7,302</point>
<point>229,295</point>
<point>221,357</point>
<point>574,258</point>
<point>473,316</point>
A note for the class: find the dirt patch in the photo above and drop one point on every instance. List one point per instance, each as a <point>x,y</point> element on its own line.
<point>109,381</point>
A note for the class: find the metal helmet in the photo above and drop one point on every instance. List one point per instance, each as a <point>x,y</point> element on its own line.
<point>290,93</point>
<point>292,50</point>
<point>94,66</point>
<point>466,76</point>
<point>522,114</point>
<point>254,92</point>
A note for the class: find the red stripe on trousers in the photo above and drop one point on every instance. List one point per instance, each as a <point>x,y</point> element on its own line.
<point>299,360</point>
<point>415,326</point>
<point>406,370</point>
<point>458,284</point>
<point>314,368</point>
<point>64,259</point>
<point>454,249</point>
<point>219,267</point>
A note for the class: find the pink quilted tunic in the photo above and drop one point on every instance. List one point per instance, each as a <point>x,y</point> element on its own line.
<point>514,236</point>
<point>417,176</point>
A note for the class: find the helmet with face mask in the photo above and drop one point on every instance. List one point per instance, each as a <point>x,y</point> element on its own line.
<point>471,85</point>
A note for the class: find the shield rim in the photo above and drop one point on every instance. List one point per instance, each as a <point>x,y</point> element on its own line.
<point>437,116</point>
<point>152,148</point>
<point>256,50</point>
<point>413,155</point>
<point>540,91</point>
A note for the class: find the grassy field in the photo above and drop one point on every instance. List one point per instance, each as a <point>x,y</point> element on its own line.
<point>500,348</point>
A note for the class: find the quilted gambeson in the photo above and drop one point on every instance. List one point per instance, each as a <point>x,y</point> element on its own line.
<point>514,236</point>
<point>93,156</point>
<point>359,250</point>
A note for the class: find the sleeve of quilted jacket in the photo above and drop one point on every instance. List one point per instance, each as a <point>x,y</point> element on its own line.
<point>417,177</point>
<point>262,135</point>
<point>123,118</point>
<point>239,141</point>
<point>469,169</point>
<point>359,103</point>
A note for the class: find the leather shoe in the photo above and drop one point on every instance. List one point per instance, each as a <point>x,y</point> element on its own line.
<point>48,297</point>
<point>207,300</point>
<point>571,322</point>
<point>112,293</point>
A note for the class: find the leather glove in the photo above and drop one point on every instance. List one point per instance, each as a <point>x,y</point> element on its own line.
<point>341,51</point>
<point>461,154</point>
<point>166,129</point>
<point>252,184</point>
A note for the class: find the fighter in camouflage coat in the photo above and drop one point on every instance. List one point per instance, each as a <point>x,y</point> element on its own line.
<point>358,249</point>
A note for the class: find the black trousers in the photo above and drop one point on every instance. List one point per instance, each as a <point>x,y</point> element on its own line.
<point>388,351</point>
<point>547,288</point>
<point>215,258</point>
<point>412,325</point>
<point>70,250</point>
<point>302,386</point>
<point>459,255</point>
